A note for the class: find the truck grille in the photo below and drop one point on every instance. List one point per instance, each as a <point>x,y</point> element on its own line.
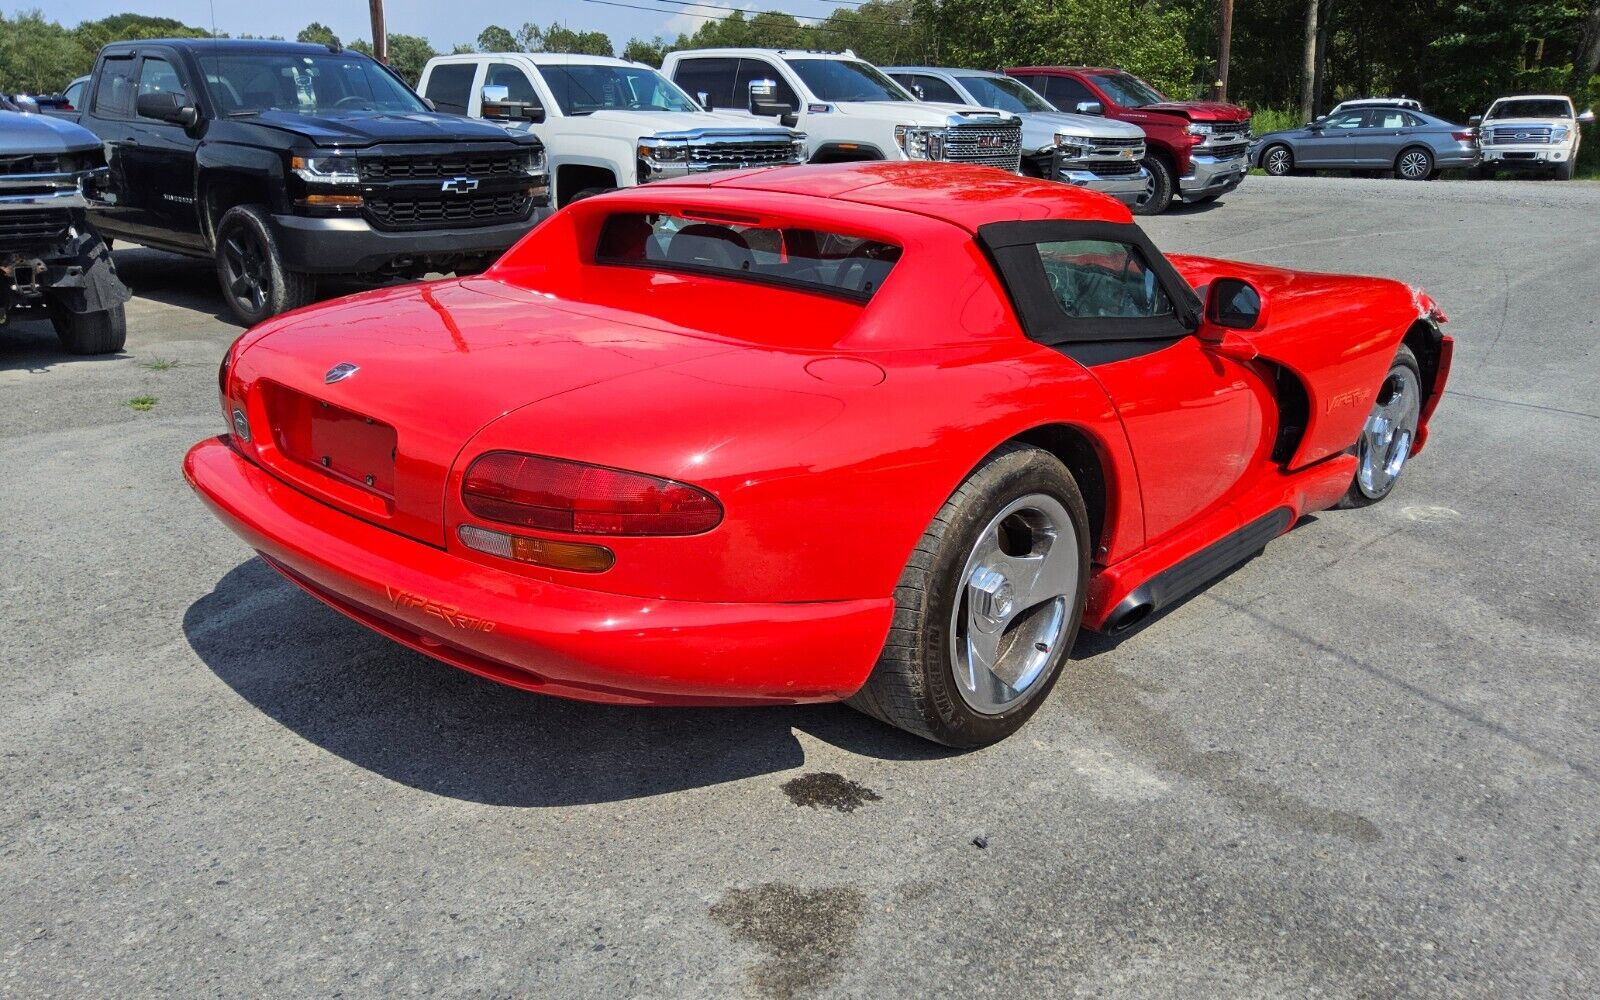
<point>32,230</point>
<point>1228,150</point>
<point>1119,143</point>
<point>988,145</point>
<point>1525,134</point>
<point>1105,168</point>
<point>736,155</point>
<point>37,163</point>
<point>478,209</point>
<point>508,163</point>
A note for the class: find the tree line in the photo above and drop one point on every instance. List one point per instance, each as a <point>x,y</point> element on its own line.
<point>1454,55</point>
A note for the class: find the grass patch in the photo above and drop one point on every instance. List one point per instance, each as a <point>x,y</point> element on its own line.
<point>160,364</point>
<point>142,403</point>
<point>1267,120</point>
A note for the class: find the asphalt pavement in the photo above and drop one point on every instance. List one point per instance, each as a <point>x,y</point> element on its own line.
<point>1365,764</point>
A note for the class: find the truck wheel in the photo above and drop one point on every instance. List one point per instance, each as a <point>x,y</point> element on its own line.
<point>1157,190</point>
<point>250,268</point>
<point>1414,164</point>
<point>101,332</point>
<point>988,607</point>
<point>589,193</point>
<point>1565,170</point>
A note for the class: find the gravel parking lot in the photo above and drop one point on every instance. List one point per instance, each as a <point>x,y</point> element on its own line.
<point>1364,764</point>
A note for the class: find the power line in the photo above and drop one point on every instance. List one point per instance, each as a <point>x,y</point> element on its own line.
<point>729,12</point>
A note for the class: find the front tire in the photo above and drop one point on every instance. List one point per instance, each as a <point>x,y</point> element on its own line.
<point>250,268</point>
<point>988,607</point>
<point>1158,190</point>
<point>101,332</point>
<point>1414,164</point>
<point>1387,437</point>
<point>1278,160</point>
<point>1565,170</point>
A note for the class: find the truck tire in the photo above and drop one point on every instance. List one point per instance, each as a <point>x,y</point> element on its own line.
<point>1564,171</point>
<point>250,268</point>
<point>1158,195</point>
<point>1021,505</point>
<point>101,332</point>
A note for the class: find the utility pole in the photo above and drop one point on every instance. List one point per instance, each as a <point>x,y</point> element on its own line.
<point>1225,33</point>
<point>380,37</point>
<point>1308,65</point>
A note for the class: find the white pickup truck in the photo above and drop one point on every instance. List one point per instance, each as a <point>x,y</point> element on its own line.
<point>605,123</point>
<point>1534,132</point>
<point>848,109</point>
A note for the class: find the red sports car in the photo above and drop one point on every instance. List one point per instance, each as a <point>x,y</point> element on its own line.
<point>882,433</point>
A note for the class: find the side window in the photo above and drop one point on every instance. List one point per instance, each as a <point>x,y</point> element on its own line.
<point>1066,93</point>
<point>760,69</point>
<point>1101,279</point>
<point>518,87</point>
<point>73,95</point>
<point>113,93</point>
<point>450,87</point>
<point>1412,121</point>
<point>935,89</point>
<point>156,76</point>
<point>1391,119</point>
<point>712,77</point>
<point>1345,120</point>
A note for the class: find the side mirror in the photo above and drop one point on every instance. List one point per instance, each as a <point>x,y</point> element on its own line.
<point>764,99</point>
<point>428,102</point>
<point>1475,120</point>
<point>167,107</point>
<point>705,100</point>
<point>916,88</point>
<point>1089,108</point>
<point>1232,304</point>
<point>1587,118</point>
<point>495,102</point>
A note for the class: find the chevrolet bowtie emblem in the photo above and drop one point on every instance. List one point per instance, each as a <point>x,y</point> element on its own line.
<point>459,185</point>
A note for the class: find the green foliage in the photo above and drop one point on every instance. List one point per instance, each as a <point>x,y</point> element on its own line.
<point>408,54</point>
<point>317,34</point>
<point>559,38</point>
<point>42,57</point>
<point>1264,120</point>
<point>497,39</point>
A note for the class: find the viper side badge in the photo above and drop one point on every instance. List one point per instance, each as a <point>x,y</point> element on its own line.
<point>340,372</point>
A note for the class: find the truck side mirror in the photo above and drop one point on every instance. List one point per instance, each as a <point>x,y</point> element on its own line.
<point>764,99</point>
<point>1089,108</point>
<point>166,106</point>
<point>495,102</point>
<point>916,88</point>
<point>705,100</point>
<point>1475,120</point>
<point>1587,118</point>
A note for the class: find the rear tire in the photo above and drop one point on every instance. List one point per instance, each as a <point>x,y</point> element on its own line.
<point>1387,437</point>
<point>1158,192</point>
<point>1414,164</point>
<point>1016,534</point>
<point>101,332</point>
<point>255,283</point>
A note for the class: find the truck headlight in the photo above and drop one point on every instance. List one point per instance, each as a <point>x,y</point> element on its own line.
<point>1558,134</point>
<point>920,143</point>
<point>1073,146</point>
<point>1197,128</point>
<point>325,169</point>
<point>661,151</point>
<point>797,151</point>
<point>533,164</point>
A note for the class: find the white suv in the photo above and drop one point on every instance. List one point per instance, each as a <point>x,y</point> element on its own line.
<point>605,123</point>
<point>848,108</point>
<point>1536,132</point>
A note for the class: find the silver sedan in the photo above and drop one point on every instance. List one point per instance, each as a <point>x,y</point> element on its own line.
<point>1412,144</point>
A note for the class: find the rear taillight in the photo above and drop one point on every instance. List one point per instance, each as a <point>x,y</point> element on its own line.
<point>553,494</point>
<point>1466,135</point>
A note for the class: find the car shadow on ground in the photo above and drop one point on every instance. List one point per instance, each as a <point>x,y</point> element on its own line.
<point>431,726</point>
<point>31,345</point>
<point>191,282</point>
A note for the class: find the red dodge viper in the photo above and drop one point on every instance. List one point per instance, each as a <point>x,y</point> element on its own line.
<point>882,433</point>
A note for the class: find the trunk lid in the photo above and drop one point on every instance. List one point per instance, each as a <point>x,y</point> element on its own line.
<point>433,364</point>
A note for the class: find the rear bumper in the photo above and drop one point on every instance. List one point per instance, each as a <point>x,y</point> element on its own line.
<point>351,246</point>
<point>539,636</point>
<point>1210,176</point>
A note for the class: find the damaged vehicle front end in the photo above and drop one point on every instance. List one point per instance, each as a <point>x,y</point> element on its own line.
<point>51,259</point>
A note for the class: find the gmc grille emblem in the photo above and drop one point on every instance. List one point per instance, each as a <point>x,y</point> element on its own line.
<point>459,185</point>
<point>991,142</point>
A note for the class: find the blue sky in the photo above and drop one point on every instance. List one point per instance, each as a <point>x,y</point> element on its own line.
<point>444,24</point>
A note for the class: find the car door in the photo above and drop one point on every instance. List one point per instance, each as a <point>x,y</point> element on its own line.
<point>111,107</point>
<point>1378,141</point>
<point>1196,420</point>
<point>159,159</point>
<point>1331,145</point>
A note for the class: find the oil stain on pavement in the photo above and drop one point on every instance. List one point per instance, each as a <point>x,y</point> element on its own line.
<point>827,790</point>
<point>805,934</point>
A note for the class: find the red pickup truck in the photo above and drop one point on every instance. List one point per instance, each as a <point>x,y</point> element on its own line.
<point>1196,150</point>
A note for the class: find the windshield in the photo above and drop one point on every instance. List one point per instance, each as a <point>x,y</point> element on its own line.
<point>1003,93</point>
<point>1127,89</point>
<point>847,80</point>
<point>1540,108</point>
<point>584,89</point>
<point>252,82</point>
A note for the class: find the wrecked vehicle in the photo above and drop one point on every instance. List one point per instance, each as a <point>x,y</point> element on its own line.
<point>51,259</point>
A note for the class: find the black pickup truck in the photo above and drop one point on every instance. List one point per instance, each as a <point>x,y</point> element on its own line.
<point>285,161</point>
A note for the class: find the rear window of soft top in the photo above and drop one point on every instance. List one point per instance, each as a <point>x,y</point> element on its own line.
<point>852,267</point>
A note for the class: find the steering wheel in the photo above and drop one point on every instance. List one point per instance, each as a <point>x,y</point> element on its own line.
<point>355,99</point>
<point>1064,295</point>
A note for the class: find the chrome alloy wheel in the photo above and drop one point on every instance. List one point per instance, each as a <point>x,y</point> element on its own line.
<point>1386,439</point>
<point>1018,591</point>
<point>1278,162</point>
<point>1414,165</point>
<point>1144,199</point>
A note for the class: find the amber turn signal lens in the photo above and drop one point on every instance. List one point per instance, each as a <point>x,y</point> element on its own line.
<point>334,200</point>
<point>580,557</point>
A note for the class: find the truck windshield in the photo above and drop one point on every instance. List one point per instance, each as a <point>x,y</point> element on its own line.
<point>252,82</point>
<point>583,89</point>
<point>1127,89</point>
<point>1531,108</point>
<point>847,80</point>
<point>1003,94</point>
